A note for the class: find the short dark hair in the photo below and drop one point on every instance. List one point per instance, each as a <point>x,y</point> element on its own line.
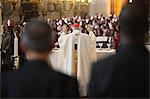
<point>133,20</point>
<point>37,36</point>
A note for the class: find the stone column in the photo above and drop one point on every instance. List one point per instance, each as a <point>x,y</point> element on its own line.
<point>100,6</point>
<point>0,14</point>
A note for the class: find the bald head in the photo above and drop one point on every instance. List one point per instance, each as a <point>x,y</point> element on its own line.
<point>37,36</point>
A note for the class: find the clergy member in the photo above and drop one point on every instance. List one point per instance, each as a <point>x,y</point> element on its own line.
<point>76,55</point>
<point>93,38</point>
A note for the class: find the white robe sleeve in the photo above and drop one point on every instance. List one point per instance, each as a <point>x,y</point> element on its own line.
<point>61,38</point>
<point>65,57</point>
<point>61,59</point>
<point>93,46</point>
<point>86,56</point>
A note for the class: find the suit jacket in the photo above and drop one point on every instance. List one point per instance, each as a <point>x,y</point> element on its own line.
<point>37,80</point>
<point>124,75</point>
<point>7,51</point>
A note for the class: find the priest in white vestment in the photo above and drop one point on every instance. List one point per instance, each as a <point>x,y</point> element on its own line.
<point>81,47</point>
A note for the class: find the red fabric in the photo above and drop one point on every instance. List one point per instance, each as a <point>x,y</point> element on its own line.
<point>76,25</point>
<point>116,40</point>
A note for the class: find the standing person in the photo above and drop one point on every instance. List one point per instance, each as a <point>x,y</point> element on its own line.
<point>116,39</point>
<point>64,31</point>
<point>37,79</point>
<point>2,30</point>
<point>76,51</point>
<point>8,45</point>
<point>7,49</point>
<point>65,28</point>
<point>126,74</point>
<point>93,37</point>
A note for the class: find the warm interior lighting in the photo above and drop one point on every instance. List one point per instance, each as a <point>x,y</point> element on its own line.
<point>125,2</point>
<point>89,1</point>
<point>82,0</point>
<point>130,1</point>
<point>119,4</point>
<point>78,0</point>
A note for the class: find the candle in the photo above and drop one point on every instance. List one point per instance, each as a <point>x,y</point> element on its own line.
<point>15,46</point>
<point>16,59</point>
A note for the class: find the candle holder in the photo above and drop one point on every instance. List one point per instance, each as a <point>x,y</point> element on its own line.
<point>16,62</point>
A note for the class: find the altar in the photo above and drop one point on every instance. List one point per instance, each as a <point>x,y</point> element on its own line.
<point>101,53</point>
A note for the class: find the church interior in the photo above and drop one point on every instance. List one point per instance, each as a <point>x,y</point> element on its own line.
<point>74,48</point>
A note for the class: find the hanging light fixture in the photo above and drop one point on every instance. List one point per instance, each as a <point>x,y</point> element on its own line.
<point>130,1</point>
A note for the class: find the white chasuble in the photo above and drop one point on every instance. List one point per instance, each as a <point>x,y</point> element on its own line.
<point>86,53</point>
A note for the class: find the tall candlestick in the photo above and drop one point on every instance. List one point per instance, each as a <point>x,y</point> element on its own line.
<point>16,57</point>
<point>15,46</point>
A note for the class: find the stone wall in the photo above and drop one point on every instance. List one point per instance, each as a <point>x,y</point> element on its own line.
<point>100,6</point>
<point>0,17</point>
<point>65,8</point>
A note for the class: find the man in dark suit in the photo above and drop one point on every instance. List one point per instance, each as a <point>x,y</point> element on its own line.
<point>126,74</point>
<point>7,48</point>
<point>37,79</point>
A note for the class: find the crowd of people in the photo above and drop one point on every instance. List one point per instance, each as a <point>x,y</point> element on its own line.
<point>123,75</point>
<point>101,26</point>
